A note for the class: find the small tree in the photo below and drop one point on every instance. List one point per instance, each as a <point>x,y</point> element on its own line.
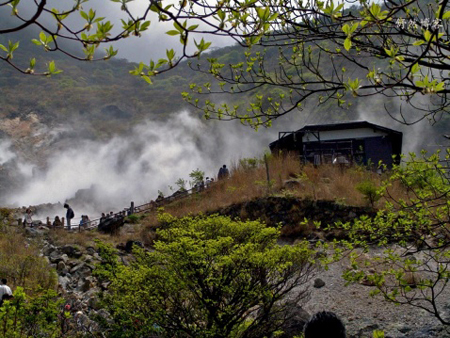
<point>210,277</point>
<point>181,183</point>
<point>416,270</point>
<point>197,176</point>
<point>369,190</point>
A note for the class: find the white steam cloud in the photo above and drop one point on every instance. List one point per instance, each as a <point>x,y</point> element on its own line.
<point>5,152</point>
<point>134,167</point>
<point>416,137</point>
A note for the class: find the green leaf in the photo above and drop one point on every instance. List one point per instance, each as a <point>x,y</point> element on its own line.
<point>347,44</point>
<point>147,79</point>
<point>3,48</point>
<point>439,87</point>
<point>84,15</point>
<point>145,26</point>
<point>173,32</point>
<point>42,36</point>
<point>346,29</point>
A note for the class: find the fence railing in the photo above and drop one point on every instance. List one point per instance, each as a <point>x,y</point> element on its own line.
<point>94,223</point>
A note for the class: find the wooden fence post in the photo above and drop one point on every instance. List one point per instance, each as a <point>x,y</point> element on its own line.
<point>267,173</point>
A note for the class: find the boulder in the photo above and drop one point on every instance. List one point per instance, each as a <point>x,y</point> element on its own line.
<point>82,270</point>
<point>297,318</point>
<point>57,256</point>
<point>91,250</point>
<point>61,266</point>
<point>63,281</point>
<point>111,225</point>
<point>319,283</point>
<point>48,249</point>
<point>130,244</point>
<point>105,315</point>
<point>293,185</point>
<point>71,251</point>
<point>84,284</point>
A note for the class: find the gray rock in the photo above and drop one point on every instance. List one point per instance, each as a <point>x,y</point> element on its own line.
<point>61,266</point>
<point>82,270</point>
<point>91,250</point>
<point>84,285</point>
<point>57,256</point>
<point>71,251</point>
<point>31,232</point>
<point>63,281</point>
<point>103,313</point>
<point>296,321</point>
<point>48,249</point>
<point>319,283</point>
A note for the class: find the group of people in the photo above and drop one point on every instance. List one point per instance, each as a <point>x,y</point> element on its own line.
<point>28,221</point>
<point>69,216</point>
<point>223,173</point>
<point>106,216</point>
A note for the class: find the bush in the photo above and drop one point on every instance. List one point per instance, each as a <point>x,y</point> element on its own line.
<point>133,218</point>
<point>369,190</point>
<point>21,263</point>
<point>209,277</point>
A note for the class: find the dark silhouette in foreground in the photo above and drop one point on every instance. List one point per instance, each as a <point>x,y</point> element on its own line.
<point>324,324</point>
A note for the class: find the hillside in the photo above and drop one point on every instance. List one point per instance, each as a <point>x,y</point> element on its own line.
<point>305,202</point>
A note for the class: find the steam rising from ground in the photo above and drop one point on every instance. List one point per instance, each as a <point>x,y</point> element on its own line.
<point>134,167</point>
<point>5,151</point>
<point>417,136</point>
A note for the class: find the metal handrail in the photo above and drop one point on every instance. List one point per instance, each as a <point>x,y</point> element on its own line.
<point>94,223</point>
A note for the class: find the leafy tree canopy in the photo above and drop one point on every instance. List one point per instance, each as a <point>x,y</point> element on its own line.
<point>414,234</point>
<point>208,277</point>
<point>326,50</point>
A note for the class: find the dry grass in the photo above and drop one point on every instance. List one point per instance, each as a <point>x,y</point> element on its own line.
<point>21,264</point>
<point>323,183</point>
<point>326,182</point>
<point>85,239</point>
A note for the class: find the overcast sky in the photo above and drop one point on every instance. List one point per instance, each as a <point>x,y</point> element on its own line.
<point>151,45</point>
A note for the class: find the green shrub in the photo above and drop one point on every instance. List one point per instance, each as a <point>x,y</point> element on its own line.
<point>133,218</point>
<point>369,190</point>
<point>208,277</point>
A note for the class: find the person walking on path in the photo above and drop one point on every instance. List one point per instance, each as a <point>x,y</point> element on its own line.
<point>69,215</point>
<point>28,218</point>
<point>5,291</point>
<point>223,172</point>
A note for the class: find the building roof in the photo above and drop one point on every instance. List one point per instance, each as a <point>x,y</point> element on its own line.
<point>346,125</point>
<point>287,135</point>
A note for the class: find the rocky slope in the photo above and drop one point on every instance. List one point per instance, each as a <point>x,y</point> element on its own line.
<point>361,313</point>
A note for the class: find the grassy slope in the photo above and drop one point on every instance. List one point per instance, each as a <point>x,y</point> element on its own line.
<point>326,183</point>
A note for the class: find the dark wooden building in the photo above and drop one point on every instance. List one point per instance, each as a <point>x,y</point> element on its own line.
<point>358,142</point>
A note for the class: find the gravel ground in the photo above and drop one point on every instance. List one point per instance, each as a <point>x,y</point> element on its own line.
<point>362,314</point>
